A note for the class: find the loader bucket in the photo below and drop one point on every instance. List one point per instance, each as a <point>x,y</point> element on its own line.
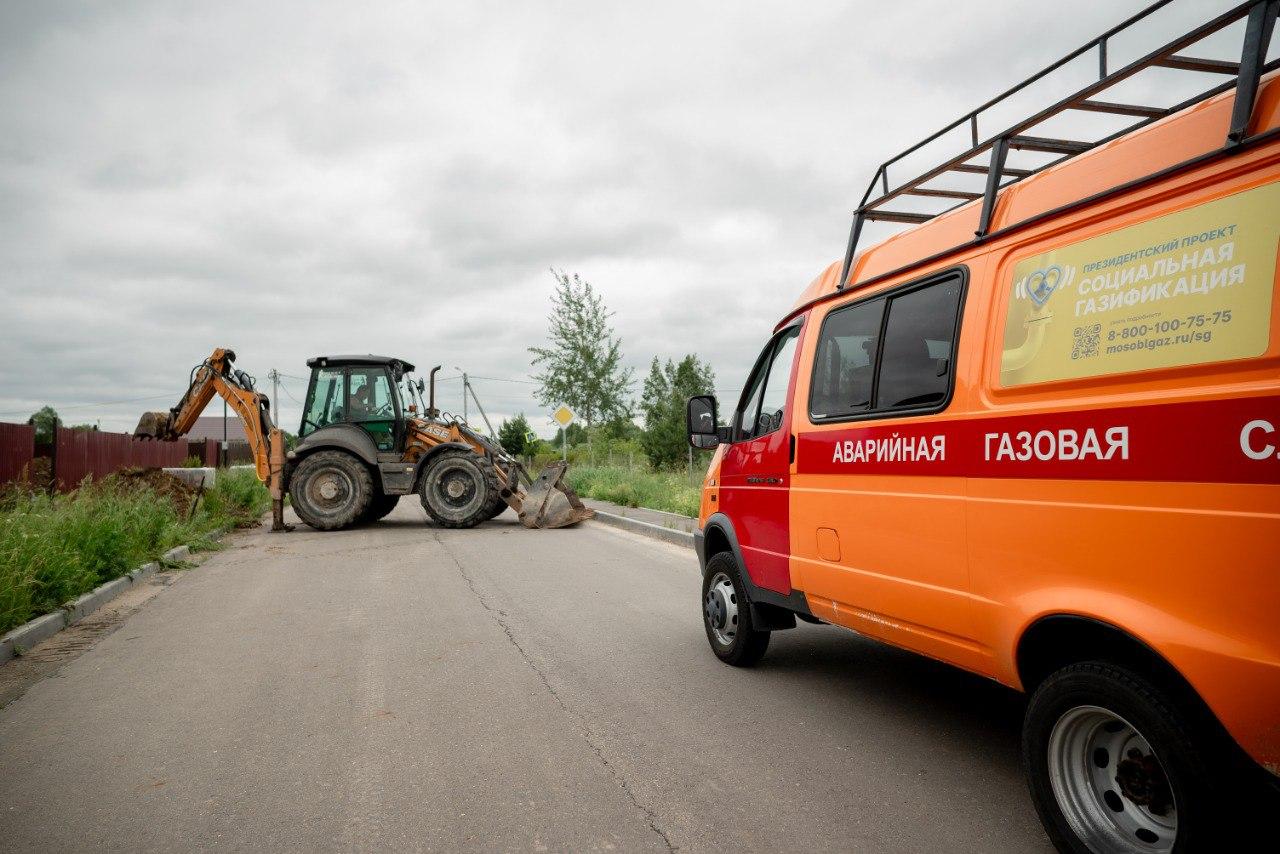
<point>550,503</point>
<point>153,425</point>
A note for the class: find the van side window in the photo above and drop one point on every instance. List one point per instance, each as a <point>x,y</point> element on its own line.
<point>887,353</point>
<point>846,360</point>
<point>915,368</point>
<point>766,401</point>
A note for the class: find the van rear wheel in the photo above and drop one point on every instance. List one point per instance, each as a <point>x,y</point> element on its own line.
<point>1113,767</point>
<point>726,614</point>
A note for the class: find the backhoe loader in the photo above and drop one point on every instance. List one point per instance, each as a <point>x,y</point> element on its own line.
<point>364,442</point>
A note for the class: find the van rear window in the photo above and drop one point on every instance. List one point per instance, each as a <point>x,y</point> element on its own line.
<point>1186,288</point>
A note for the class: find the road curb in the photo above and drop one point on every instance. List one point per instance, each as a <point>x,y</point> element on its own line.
<point>26,636</point>
<point>646,529</point>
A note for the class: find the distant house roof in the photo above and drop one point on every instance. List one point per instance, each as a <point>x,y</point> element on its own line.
<point>210,427</point>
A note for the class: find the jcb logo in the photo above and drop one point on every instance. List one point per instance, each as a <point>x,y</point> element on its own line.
<point>1255,440</point>
<point>1043,283</point>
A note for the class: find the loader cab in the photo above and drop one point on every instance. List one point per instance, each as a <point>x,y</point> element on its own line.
<point>360,390</point>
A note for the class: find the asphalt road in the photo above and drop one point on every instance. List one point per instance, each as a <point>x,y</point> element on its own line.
<point>406,687</point>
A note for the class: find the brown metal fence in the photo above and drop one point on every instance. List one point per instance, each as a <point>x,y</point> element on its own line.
<point>77,454</point>
<point>17,451</point>
<point>82,453</point>
<point>211,453</point>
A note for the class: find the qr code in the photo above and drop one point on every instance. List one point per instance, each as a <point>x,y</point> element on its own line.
<point>1084,341</point>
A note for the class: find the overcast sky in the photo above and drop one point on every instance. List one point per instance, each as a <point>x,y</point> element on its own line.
<point>292,179</point>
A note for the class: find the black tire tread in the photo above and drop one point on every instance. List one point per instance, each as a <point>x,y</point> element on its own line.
<point>360,478</point>
<point>750,644</point>
<point>491,486</point>
<point>1180,751</point>
<point>381,505</point>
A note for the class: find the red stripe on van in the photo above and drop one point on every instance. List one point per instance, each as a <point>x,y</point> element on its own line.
<point>1219,441</point>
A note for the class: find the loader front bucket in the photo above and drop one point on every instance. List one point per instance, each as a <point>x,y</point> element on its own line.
<point>550,503</point>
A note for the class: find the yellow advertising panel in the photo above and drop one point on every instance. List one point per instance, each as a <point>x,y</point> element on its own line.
<point>1182,289</point>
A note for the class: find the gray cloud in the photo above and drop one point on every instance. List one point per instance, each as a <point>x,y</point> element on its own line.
<point>290,179</point>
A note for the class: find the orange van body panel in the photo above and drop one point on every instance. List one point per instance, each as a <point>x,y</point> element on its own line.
<point>959,567</point>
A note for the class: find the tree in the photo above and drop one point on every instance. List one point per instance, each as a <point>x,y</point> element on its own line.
<point>513,435</point>
<point>667,389</point>
<point>577,435</point>
<point>45,420</point>
<point>581,366</point>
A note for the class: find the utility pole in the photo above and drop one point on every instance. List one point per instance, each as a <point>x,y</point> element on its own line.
<point>464,397</point>
<point>275,394</point>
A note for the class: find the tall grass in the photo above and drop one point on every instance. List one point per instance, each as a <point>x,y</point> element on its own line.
<point>657,490</point>
<point>54,549</point>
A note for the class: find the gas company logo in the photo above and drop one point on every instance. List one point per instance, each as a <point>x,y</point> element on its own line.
<point>1041,284</point>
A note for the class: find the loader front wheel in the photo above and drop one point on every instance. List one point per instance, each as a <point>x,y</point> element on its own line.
<point>331,490</point>
<point>457,488</point>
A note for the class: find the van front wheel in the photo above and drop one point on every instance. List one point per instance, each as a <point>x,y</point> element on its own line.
<point>1112,765</point>
<point>726,614</point>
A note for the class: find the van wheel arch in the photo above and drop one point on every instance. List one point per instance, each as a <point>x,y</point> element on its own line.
<point>1060,640</point>
<point>718,541</point>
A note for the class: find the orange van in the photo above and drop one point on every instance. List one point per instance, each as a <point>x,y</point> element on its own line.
<point>1037,436</point>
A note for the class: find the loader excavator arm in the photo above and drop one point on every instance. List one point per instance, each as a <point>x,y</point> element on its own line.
<point>216,376</point>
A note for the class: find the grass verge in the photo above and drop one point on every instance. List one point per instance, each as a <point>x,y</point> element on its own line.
<point>657,490</point>
<point>54,549</point>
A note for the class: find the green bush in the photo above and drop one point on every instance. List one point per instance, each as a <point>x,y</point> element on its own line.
<point>656,490</point>
<point>237,498</point>
<point>54,549</point>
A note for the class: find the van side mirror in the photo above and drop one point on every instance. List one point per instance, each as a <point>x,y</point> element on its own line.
<point>700,420</point>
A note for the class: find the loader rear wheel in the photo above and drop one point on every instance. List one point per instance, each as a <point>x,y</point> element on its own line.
<point>331,490</point>
<point>457,488</point>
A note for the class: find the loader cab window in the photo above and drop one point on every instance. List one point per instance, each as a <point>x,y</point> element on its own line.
<point>372,404</point>
<point>325,400</point>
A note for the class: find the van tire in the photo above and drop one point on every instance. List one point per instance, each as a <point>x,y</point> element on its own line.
<point>1060,707</point>
<point>726,614</point>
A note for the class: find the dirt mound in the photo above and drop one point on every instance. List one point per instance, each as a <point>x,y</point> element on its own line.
<point>162,483</point>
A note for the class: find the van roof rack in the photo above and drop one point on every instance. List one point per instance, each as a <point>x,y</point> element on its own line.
<point>1261,15</point>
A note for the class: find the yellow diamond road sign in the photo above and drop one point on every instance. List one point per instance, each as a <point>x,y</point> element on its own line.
<point>563,416</point>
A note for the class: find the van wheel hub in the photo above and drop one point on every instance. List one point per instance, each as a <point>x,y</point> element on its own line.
<point>1109,783</point>
<point>721,607</point>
